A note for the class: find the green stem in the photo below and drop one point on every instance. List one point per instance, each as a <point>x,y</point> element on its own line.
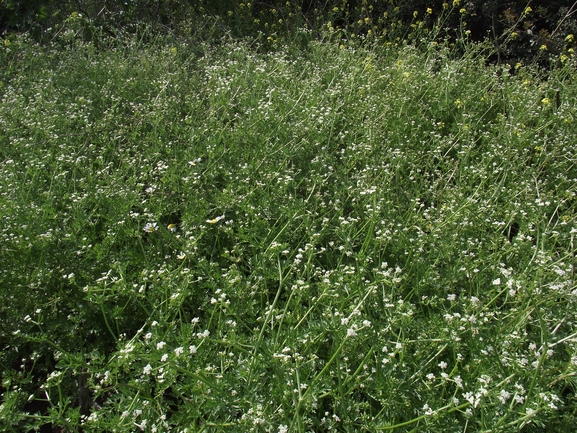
<point>106,322</point>
<point>419,418</point>
<point>318,376</point>
<point>268,316</point>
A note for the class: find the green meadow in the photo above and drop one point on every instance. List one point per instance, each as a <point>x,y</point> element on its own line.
<point>322,235</point>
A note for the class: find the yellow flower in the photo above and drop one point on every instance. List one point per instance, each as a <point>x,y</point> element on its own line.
<point>429,11</point>
<point>368,65</point>
<point>445,5</point>
<point>546,102</point>
<point>415,14</point>
<point>528,10</point>
<point>463,11</point>
<point>173,51</point>
<point>215,220</point>
<point>456,3</point>
<point>459,103</point>
<point>514,35</point>
<point>543,47</point>
<point>569,38</point>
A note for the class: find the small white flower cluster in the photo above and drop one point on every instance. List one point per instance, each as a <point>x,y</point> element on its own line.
<point>221,299</point>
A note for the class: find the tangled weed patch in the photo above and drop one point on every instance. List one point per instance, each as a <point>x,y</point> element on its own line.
<point>350,239</point>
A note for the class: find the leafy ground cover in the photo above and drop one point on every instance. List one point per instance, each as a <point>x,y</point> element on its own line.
<point>331,237</point>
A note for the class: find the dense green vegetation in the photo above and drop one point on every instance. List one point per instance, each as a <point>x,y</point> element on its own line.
<point>519,30</point>
<point>299,233</point>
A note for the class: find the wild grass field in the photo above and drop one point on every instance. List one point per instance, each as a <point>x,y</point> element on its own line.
<point>324,236</point>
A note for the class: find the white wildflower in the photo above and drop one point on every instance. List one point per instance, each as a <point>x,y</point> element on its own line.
<point>150,227</point>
